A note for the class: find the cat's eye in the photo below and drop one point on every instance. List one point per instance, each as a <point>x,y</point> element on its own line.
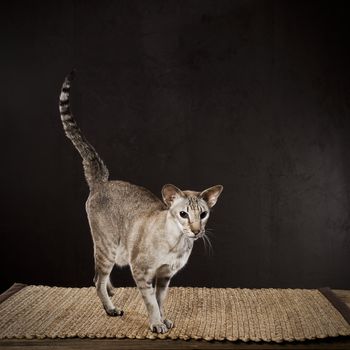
<point>183,214</point>
<point>203,214</point>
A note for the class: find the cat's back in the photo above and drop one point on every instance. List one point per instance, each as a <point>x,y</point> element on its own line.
<point>124,198</point>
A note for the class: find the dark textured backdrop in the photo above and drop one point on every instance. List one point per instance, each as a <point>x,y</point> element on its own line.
<point>250,94</point>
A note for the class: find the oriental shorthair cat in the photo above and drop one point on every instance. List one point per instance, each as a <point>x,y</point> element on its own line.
<point>131,226</point>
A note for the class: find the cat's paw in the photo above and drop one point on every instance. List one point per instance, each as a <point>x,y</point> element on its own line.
<point>169,324</point>
<point>114,312</point>
<point>158,328</point>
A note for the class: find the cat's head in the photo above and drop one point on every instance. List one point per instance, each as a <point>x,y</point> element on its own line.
<point>189,209</point>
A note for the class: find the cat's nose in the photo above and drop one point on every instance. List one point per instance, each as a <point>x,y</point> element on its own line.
<point>196,231</point>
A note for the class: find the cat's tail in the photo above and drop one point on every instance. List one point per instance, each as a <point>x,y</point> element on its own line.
<point>94,168</point>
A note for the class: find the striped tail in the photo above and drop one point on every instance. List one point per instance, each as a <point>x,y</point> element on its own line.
<point>94,168</point>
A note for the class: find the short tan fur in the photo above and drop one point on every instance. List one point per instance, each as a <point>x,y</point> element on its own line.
<point>131,226</point>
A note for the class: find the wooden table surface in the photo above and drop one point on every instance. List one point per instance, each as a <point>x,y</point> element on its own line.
<point>107,344</point>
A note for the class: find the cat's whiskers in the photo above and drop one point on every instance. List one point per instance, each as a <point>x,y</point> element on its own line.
<point>206,241</point>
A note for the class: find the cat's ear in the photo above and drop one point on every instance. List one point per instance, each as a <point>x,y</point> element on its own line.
<point>170,193</point>
<point>211,195</point>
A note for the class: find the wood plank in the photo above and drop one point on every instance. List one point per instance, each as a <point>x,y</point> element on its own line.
<point>108,344</point>
<point>343,295</point>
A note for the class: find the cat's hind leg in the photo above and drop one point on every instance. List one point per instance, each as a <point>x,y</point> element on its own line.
<point>103,291</point>
<point>105,253</point>
<point>105,249</point>
<point>110,286</point>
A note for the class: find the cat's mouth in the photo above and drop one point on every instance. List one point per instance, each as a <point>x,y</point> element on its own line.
<point>194,236</point>
<point>200,234</point>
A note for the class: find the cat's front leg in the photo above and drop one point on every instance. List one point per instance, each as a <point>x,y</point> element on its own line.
<point>162,284</point>
<point>144,284</point>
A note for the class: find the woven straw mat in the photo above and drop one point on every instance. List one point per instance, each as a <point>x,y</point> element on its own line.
<point>199,313</point>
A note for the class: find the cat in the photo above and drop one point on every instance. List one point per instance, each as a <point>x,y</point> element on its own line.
<point>131,226</point>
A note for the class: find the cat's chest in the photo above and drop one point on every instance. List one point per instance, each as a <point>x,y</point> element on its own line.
<point>177,260</point>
